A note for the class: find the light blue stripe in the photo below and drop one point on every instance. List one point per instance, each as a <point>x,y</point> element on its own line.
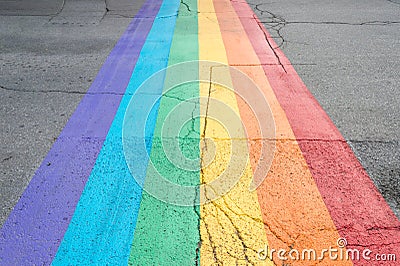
<point>103,225</point>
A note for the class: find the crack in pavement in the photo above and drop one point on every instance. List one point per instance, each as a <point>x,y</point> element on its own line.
<point>277,236</point>
<point>193,123</point>
<point>277,23</point>
<point>203,135</point>
<point>168,16</point>
<point>197,213</point>
<point>234,256</point>
<point>260,25</point>
<point>235,227</point>
<point>6,159</point>
<point>229,211</point>
<point>59,91</point>
<point>186,5</point>
<point>58,12</point>
<point>90,93</point>
<point>108,10</point>
<point>202,166</point>
<point>213,247</point>
<point>271,64</point>
<point>368,23</point>
<point>54,15</point>
<point>105,12</point>
<point>220,223</point>
<point>244,214</point>
<point>123,16</point>
<point>178,98</point>
<point>193,118</point>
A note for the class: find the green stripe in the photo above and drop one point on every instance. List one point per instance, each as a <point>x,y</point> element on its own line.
<point>167,234</point>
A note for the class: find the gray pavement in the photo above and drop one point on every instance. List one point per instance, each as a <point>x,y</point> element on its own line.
<point>50,53</point>
<point>348,55</point>
<point>346,52</point>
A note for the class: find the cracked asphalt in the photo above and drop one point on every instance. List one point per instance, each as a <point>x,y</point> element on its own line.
<point>347,54</point>
<point>50,53</point>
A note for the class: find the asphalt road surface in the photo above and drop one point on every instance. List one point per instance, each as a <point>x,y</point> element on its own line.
<point>119,185</point>
<point>348,55</point>
<point>50,53</point>
<point>346,52</point>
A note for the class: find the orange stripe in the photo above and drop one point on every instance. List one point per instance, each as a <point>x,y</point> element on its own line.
<point>294,213</point>
<point>354,203</point>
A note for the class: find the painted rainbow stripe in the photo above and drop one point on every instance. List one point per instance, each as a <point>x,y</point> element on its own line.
<point>86,208</point>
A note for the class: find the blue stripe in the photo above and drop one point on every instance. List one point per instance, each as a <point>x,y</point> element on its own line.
<point>103,225</point>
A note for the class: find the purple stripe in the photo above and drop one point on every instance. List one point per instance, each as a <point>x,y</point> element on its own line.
<point>33,231</point>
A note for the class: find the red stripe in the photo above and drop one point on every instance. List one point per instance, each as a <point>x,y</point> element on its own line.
<point>358,210</point>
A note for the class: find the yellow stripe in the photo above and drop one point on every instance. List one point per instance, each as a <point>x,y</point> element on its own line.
<point>231,227</point>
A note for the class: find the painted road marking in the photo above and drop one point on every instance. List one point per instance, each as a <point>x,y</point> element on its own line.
<point>315,191</point>
<point>167,234</point>
<point>230,229</point>
<point>284,223</point>
<point>34,229</point>
<point>357,208</point>
<point>104,221</point>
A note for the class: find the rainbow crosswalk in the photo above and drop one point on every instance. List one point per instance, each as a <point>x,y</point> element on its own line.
<point>97,200</point>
